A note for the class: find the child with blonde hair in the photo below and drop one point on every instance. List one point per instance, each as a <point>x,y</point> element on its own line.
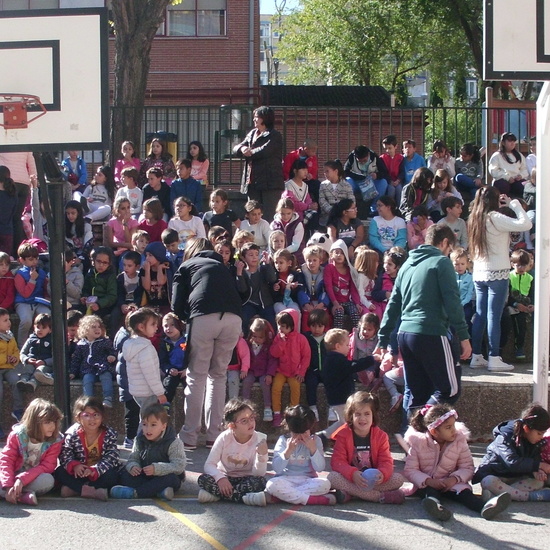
<point>29,457</point>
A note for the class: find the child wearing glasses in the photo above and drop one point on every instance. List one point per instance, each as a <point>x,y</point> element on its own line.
<point>237,463</point>
<point>99,293</point>
<point>89,460</point>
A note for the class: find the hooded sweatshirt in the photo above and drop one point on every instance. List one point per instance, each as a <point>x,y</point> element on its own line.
<point>341,288</point>
<point>426,297</point>
<point>293,351</point>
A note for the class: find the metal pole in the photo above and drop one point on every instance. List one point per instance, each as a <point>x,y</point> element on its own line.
<point>55,216</point>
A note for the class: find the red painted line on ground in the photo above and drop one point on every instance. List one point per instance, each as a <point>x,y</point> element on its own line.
<point>267,528</point>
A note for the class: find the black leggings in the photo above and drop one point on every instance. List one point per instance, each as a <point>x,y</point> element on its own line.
<point>241,486</point>
<point>149,486</point>
<point>465,497</point>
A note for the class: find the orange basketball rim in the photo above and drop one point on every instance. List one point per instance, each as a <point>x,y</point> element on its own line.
<point>16,109</point>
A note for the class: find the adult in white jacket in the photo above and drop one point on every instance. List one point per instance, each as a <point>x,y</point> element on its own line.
<point>489,238</point>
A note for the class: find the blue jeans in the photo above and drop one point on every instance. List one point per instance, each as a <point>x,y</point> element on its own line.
<point>491,297</point>
<point>106,379</point>
<point>380,184</point>
<point>465,183</point>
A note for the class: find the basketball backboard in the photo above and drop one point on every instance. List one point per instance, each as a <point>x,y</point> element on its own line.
<point>517,40</point>
<point>60,57</point>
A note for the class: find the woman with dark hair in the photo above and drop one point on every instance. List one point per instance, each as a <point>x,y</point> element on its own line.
<point>344,224</point>
<point>507,167</point>
<point>262,149</point>
<point>489,240</point>
<point>205,296</point>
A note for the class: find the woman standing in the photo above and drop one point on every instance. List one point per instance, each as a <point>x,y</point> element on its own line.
<point>489,238</point>
<point>205,296</point>
<point>262,150</point>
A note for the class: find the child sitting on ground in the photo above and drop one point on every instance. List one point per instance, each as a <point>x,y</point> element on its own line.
<point>237,463</point>
<point>89,462</point>
<point>36,356</point>
<point>156,466</point>
<point>440,464</point>
<point>29,457</point>
<point>297,458</point>
<point>362,464</point>
<point>292,350</point>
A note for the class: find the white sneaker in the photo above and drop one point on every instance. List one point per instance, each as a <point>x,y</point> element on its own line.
<point>315,412</point>
<point>255,499</point>
<point>478,361</point>
<point>205,497</point>
<point>332,416</point>
<point>268,415</point>
<point>43,377</point>
<point>496,364</point>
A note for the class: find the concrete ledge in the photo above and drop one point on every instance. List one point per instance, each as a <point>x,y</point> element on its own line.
<point>486,400</point>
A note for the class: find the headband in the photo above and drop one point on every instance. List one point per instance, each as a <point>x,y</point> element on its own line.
<point>436,423</point>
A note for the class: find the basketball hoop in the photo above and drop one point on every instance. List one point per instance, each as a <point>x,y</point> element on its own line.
<point>15,108</point>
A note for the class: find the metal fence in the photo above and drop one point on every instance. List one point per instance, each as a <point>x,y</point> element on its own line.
<point>336,130</point>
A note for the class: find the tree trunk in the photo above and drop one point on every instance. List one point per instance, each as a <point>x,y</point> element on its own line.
<point>135,23</point>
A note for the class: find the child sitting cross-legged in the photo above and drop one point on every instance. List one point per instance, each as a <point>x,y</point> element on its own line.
<point>156,466</point>
<point>89,460</point>
<point>297,458</point>
<point>362,464</point>
<point>237,463</point>
<point>440,464</point>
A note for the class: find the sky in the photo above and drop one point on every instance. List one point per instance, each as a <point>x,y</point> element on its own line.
<point>268,6</point>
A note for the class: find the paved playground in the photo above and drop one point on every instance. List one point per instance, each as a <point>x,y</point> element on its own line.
<point>185,524</point>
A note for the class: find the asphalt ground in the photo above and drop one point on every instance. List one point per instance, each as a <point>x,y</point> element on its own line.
<point>185,524</point>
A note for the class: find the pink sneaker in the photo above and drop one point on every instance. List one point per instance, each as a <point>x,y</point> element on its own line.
<point>28,499</point>
<point>277,420</point>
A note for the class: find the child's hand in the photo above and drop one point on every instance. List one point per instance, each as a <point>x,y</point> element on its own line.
<point>242,375</point>
<point>450,482</point>
<point>262,448</point>
<point>291,444</point>
<point>437,484</point>
<point>540,475</point>
<point>71,376</point>
<point>336,307</point>
<point>239,266</point>
<point>276,287</point>
<point>90,199</point>
<point>111,358</point>
<point>83,299</point>
<point>149,470</point>
<point>173,372</point>
<point>162,399</point>
<point>81,470</point>
<point>307,307</point>
<point>33,274</point>
<point>268,379</point>
<point>135,471</point>
<point>94,307</point>
<point>359,480</point>
<point>530,309</point>
<point>309,441</point>
<point>15,492</point>
<point>12,360</point>
<point>299,377</point>
<point>183,373</point>
<point>226,489</point>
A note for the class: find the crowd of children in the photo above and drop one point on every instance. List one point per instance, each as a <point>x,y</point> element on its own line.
<point>295,284</point>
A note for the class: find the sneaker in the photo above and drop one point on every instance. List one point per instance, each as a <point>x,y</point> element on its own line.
<point>332,416</point>
<point>393,497</point>
<point>434,509</point>
<point>277,420</point>
<point>17,414</point>
<point>315,412</point>
<point>21,385</point>
<point>496,364</point>
<point>128,443</point>
<point>395,403</point>
<point>209,444</point>
<point>28,498</point>
<point>496,505</point>
<point>189,446</point>
<point>67,492</point>
<point>342,497</point>
<point>520,353</point>
<point>478,361</point>
<point>254,499</point>
<point>205,497</point>
<point>108,403</point>
<point>121,491</point>
<point>166,494</point>
<point>91,492</point>
<point>43,377</point>
<point>268,415</point>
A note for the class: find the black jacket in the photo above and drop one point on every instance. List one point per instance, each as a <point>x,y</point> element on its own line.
<point>507,457</point>
<point>203,285</point>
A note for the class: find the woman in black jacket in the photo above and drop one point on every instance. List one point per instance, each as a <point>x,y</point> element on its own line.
<point>262,149</point>
<point>205,296</point>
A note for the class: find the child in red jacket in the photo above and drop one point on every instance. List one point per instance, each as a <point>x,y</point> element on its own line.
<point>7,284</point>
<point>294,354</point>
<point>362,465</point>
<point>30,456</point>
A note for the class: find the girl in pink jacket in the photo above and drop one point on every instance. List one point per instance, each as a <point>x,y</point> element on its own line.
<point>29,457</point>
<point>440,465</point>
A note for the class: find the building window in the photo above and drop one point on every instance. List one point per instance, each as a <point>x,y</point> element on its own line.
<point>7,5</point>
<point>197,18</point>
<point>471,89</point>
